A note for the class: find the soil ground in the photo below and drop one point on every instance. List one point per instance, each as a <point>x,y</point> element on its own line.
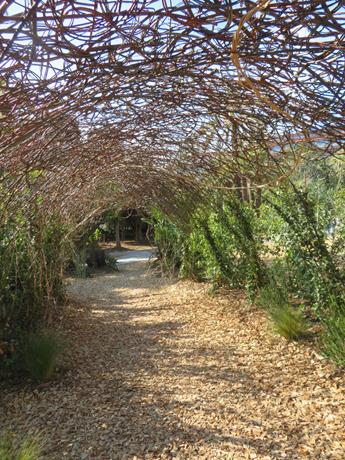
<point>159,369</point>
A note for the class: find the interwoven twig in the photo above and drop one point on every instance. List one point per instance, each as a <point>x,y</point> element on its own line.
<point>157,95</point>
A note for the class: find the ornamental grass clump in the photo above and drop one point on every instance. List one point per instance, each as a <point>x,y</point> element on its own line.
<point>13,448</point>
<point>286,320</point>
<point>333,339</point>
<point>111,263</point>
<point>289,323</point>
<point>40,355</point>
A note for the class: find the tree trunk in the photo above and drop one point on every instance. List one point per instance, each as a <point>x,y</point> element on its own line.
<point>140,231</point>
<point>237,178</point>
<point>258,200</point>
<point>137,236</point>
<point>117,233</point>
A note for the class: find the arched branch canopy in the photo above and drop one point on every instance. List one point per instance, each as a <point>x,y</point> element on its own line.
<point>158,96</point>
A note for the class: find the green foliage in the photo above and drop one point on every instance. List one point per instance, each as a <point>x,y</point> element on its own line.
<point>169,241</point>
<point>40,354</point>
<point>80,266</point>
<point>111,262</point>
<point>287,321</point>
<point>13,448</point>
<point>220,244</point>
<point>101,226</point>
<point>31,286</point>
<point>305,228</point>
<point>89,238</point>
<point>301,227</point>
<point>232,247</point>
<point>333,339</point>
<point>272,297</point>
<point>301,233</point>
<point>196,262</point>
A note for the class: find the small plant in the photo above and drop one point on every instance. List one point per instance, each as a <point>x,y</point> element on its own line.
<point>40,355</point>
<point>272,297</point>
<point>286,321</point>
<point>111,262</point>
<point>289,323</point>
<point>12,448</point>
<point>81,268</point>
<point>333,340</point>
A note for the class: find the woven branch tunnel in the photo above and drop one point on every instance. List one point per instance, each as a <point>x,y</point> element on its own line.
<point>154,96</point>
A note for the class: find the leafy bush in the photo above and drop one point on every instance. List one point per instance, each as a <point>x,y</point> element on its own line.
<point>272,296</point>
<point>224,242</point>
<point>169,241</point>
<point>111,262</point>
<point>13,448</point>
<point>312,272</point>
<point>40,355</point>
<point>289,323</point>
<point>333,339</point>
<point>306,229</point>
<point>80,266</point>
<point>286,321</point>
<point>220,243</point>
<point>31,280</point>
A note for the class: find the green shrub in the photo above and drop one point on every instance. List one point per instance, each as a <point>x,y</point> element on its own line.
<point>40,355</point>
<point>111,262</point>
<point>289,323</point>
<point>272,297</point>
<point>333,340</point>
<point>31,284</point>
<point>286,321</point>
<point>298,226</point>
<point>219,243</point>
<point>13,448</point>
<point>81,268</point>
<point>169,241</point>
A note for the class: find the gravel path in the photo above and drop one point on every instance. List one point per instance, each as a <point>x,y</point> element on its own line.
<point>158,369</point>
<point>137,255</point>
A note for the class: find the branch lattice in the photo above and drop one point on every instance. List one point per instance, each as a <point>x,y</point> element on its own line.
<point>156,94</point>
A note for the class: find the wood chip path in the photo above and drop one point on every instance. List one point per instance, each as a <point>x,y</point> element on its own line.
<point>159,369</point>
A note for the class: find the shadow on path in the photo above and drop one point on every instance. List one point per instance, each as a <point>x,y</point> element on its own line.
<point>152,373</point>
